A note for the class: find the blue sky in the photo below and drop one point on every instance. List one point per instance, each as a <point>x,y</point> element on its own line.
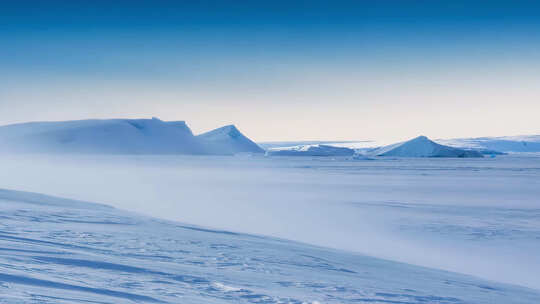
<point>279,70</point>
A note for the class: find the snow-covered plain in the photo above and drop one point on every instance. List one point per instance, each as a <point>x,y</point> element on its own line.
<point>60,251</point>
<point>478,217</point>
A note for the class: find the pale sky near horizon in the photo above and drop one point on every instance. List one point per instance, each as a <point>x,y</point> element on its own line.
<point>285,70</point>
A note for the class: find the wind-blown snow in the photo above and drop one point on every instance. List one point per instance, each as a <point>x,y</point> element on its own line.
<point>423,147</point>
<point>477,216</point>
<point>56,253</point>
<point>311,150</point>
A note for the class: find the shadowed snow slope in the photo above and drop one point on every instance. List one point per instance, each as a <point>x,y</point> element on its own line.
<point>422,146</point>
<point>117,136</point>
<point>311,150</point>
<point>228,140</point>
<point>55,253</point>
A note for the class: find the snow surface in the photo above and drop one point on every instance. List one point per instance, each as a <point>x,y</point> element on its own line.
<point>121,136</point>
<point>311,150</point>
<point>422,146</point>
<point>86,253</point>
<point>478,216</point>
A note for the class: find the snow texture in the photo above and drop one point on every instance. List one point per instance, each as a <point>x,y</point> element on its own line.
<point>52,251</point>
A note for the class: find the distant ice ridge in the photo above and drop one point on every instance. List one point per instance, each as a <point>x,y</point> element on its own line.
<point>526,143</point>
<point>484,145</point>
<point>121,136</point>
<point>418,147</point>
<point>83,254</point>
<point>422,146</point>
<point>311,150</point>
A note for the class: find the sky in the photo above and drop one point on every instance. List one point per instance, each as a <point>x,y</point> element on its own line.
<point>278,70</point>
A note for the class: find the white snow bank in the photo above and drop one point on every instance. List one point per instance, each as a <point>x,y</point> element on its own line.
<point>422,146</point>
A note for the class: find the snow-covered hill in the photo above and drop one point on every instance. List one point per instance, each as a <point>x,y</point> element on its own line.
<point>121,136</point>
<point>311,150</point>
<point>55,250</point>
<point>116,136</point>
<point>422,146</point>
<point>228,140</point>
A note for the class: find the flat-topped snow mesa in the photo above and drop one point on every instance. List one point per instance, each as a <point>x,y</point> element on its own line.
<point>422,146</point>
<point>121,136</point>
<point>228,140</point>
<point>101,136</point>
<point>311,150</point>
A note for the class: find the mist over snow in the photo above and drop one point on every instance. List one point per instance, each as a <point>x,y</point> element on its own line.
<point>419,202</point>
<point>81,252</point>
<point>462,215</point>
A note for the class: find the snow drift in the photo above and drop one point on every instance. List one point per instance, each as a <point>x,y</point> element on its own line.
<point>422,146</point>
<point>121,136</point>
<point>311,150</point>
<point>228,140</point>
